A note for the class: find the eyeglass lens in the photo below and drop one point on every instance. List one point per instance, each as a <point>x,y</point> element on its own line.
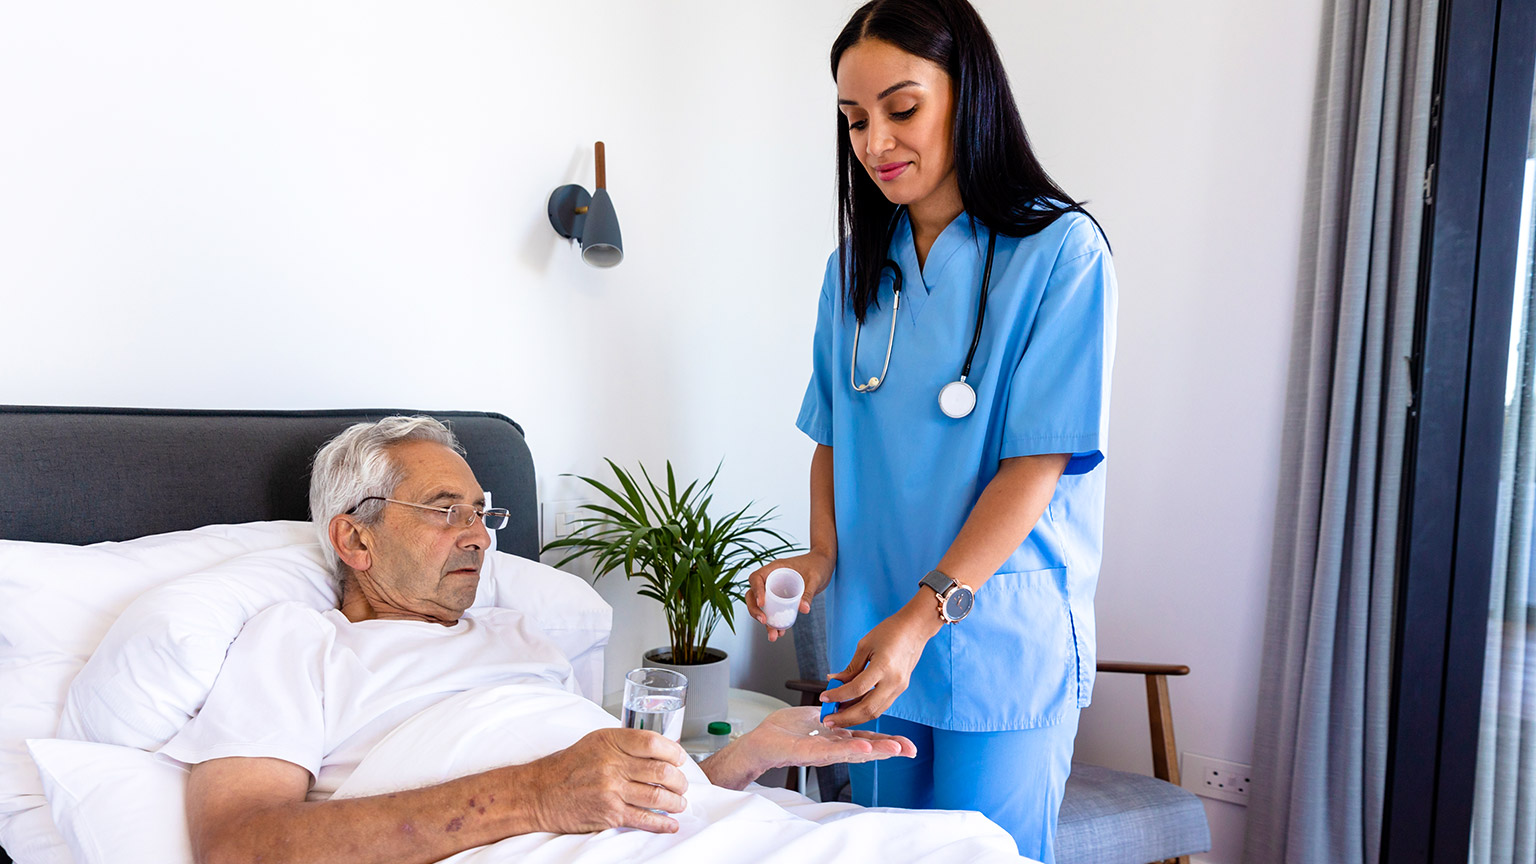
<point>463,515</point>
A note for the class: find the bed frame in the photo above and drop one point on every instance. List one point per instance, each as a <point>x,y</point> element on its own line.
<point>84,475</point>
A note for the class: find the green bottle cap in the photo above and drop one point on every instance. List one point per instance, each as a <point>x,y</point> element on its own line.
<point>719,727</point>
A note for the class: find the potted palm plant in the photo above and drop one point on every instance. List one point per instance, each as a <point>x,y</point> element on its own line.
<point>691,562</point>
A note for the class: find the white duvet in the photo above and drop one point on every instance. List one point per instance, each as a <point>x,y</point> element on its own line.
<point>516,723</point>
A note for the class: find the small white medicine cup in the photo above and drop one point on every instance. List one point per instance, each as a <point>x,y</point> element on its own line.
<point>782,591</point>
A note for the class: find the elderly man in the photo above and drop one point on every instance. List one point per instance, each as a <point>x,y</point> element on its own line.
<point>303,696</point>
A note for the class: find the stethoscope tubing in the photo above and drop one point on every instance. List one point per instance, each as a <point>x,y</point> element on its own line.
<point>970,356</point>
<point>981,305</point>
<point>874,383</point>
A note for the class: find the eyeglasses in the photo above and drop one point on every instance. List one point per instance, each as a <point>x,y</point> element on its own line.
<point>458,515</point>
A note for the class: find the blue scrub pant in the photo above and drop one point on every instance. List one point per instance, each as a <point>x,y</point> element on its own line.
<point>1016,778</point>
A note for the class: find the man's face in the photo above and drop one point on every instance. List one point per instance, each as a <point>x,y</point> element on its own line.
<point>422,567</point>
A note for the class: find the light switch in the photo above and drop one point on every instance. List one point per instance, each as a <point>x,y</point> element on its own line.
<point>561,518</point>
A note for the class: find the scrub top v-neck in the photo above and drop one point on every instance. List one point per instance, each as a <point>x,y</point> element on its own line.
<point>906,476</point>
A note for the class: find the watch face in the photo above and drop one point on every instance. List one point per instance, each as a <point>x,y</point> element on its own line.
<point>959,603</point>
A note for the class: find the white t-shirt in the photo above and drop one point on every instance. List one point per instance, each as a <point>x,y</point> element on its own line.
<point>317,690</point>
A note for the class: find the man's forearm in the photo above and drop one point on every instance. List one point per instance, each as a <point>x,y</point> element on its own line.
<point>248,809</point>
<point>418,825</point>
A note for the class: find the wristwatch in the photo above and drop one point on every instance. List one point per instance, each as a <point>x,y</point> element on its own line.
<point>955,598</point>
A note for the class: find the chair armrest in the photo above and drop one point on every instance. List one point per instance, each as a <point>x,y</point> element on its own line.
<point>808,690</point>
<point>1165,752</point>
<point>1142,668</point>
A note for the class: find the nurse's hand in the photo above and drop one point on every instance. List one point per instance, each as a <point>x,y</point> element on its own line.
<point>882,664</point>
<point>814,567</point>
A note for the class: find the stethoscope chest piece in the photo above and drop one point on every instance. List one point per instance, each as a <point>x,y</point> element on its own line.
<point>957,399</point>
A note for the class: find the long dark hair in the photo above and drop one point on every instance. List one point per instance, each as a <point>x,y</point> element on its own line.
<point>1002,184</point>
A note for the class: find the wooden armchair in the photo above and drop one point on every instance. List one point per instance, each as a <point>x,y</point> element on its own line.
<point>1117,817</point>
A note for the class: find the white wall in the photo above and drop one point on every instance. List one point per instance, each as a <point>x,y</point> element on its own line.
<point>297,205</point>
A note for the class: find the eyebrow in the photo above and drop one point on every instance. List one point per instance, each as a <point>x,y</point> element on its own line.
<point>883,93</point>
<point>453,497</point>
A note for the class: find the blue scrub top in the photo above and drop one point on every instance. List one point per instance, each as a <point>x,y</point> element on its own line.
<point>906,476</point>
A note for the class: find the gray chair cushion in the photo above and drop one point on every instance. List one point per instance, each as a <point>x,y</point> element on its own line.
<point>1115,817</point>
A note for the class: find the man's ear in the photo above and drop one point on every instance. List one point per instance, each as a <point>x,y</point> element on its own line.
<point>351,542</point>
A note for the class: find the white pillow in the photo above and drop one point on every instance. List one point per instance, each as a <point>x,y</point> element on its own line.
<point>115,804</point>
<point>56,602</point>
<point>62,598</point>
<point>159,661</point>
<point>31,838</point>
<point>154,668</point>
<point>575,617</point>
<point>30,701</point>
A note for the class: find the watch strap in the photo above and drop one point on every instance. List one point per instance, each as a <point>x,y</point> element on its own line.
<point>939,581</point>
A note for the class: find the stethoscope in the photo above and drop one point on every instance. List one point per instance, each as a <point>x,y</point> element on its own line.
<point>956,399</point>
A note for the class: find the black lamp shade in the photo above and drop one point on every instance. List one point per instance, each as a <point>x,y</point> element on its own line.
<point>601,245</point>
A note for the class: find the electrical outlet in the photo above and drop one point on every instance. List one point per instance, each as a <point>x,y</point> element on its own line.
<point>1217,778</point>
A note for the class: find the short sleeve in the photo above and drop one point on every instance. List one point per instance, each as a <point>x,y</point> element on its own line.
<point>267,699</point>
<point>1059,396</point>
<point>815,417</point>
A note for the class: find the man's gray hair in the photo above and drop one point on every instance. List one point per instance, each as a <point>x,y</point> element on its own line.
<point>356,465</point>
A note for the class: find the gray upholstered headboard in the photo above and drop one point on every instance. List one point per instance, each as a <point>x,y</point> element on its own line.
<point>83,475</point>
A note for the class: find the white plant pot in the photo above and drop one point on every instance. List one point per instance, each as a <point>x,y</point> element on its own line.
<point>708,687</point>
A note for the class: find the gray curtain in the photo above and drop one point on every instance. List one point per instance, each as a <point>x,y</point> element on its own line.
<point>1320,742</point>
<point>1504,808</point>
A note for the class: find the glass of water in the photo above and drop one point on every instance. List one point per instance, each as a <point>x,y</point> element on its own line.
<point>653,699</point>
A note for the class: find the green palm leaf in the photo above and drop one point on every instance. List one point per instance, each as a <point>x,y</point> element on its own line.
<point>687,560</point>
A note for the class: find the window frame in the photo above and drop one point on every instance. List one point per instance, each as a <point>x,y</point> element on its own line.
<point>1486,52</point>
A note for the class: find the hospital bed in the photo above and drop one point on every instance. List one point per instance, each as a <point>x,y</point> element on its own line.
<point>178,480</point>
<point>87,475</point>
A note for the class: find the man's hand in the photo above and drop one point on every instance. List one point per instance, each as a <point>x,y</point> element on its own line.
<point>794,736</point>
<point>612,778</point>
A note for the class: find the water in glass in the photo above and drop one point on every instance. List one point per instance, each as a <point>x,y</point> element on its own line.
<point>663,714</point>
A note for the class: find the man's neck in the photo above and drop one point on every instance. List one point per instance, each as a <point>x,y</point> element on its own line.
<point>354,604</point>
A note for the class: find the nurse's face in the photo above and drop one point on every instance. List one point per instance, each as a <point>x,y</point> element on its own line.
<point>900,109</point>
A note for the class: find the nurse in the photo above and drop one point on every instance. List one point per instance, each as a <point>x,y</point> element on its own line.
<point>957,536</point>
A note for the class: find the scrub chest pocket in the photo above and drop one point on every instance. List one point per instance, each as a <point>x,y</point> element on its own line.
<point>1015,657</point>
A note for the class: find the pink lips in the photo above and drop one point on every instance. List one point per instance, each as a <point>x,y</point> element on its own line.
<point>891,170</point>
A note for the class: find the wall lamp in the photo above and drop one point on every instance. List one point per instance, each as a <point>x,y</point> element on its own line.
<point>589,219</point>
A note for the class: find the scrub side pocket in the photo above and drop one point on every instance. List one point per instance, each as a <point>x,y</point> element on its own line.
<point>1014,655</point>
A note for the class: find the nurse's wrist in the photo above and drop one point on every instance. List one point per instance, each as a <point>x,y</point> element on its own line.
<point>922,613</point>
